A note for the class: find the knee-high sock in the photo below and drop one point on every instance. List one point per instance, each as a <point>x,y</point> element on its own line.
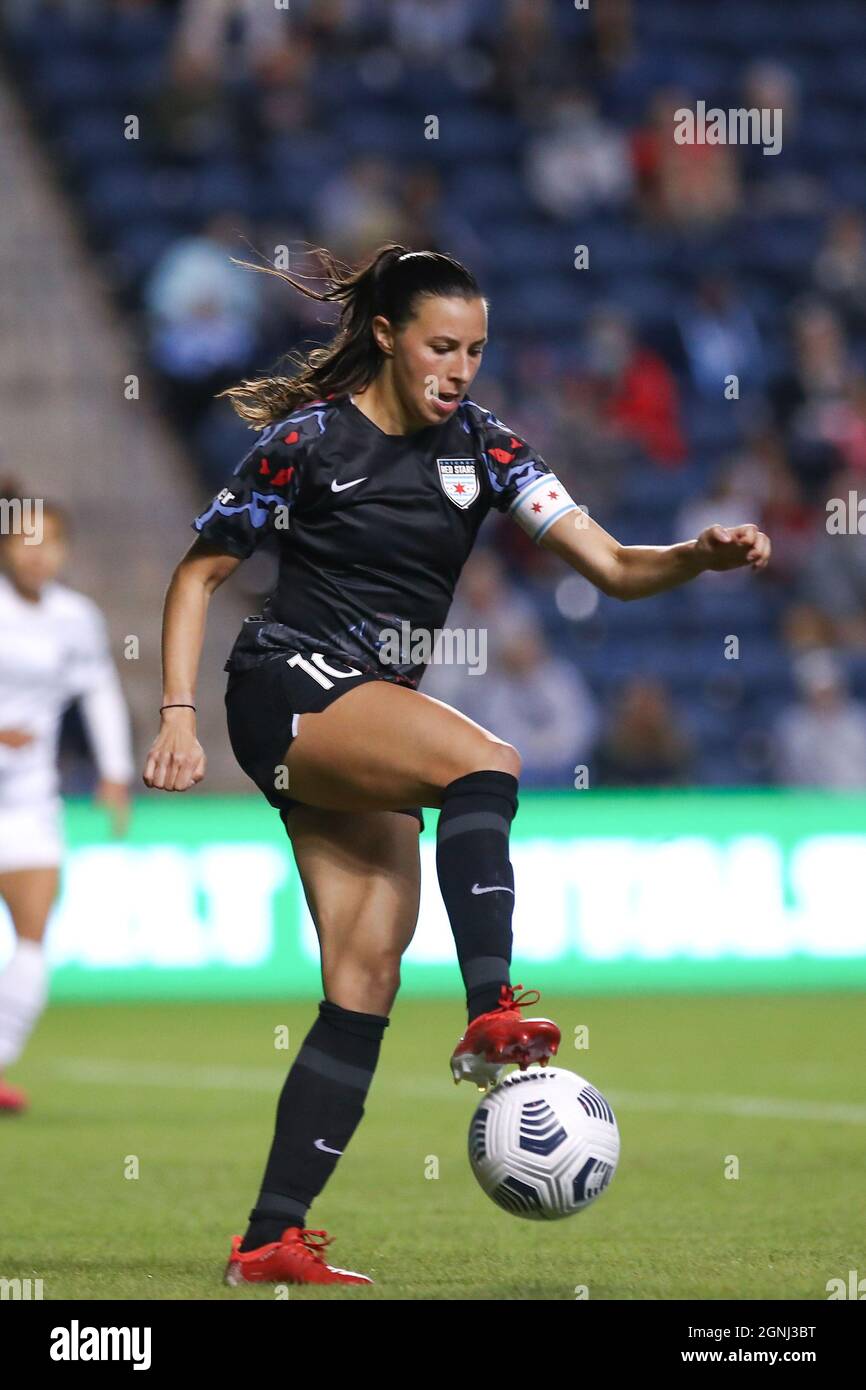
<point>319,1109</point>
<point>477,880</point>
<point>23,990</point>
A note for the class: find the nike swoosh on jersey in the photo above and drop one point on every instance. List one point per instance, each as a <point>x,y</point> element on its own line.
<point>341,487</point>
<point>320,1144</point>
<point>476,889</point>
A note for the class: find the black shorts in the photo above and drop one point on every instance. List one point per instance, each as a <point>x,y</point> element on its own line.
<point>262,708</point>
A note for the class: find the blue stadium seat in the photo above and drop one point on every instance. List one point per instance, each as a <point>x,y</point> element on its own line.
<point>376,130</point>
<point>92,139</point>
<point>84,73</point>
<point>69,81</point>
<point>848,183</point>
<point>38,41</point>
<point>114,197</point>
<point>299,170</point>
<point>222,186</point>
<point>138,31</point>
<point>524,245</point>
<point>544,304</point>
<point>486,190</point>
<point>139,246</point>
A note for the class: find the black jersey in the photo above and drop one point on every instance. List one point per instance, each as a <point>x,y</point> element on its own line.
<point>373,529</point>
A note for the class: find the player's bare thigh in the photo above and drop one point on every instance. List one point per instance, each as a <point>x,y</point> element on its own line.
<point>361,874</point>
<point>29,895</point>
<point>384,746</point>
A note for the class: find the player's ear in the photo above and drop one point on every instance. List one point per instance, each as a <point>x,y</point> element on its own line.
<point>383,334</point>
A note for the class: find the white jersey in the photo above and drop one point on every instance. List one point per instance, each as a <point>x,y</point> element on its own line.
<point>51,652</point>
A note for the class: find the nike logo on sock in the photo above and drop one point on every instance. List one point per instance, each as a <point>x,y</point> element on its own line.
<point>320,1144</point>
<point>476,889</point>
<point>341,487</point>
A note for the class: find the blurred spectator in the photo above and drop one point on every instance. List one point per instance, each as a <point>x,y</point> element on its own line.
<point>584,451</point>
<point>719,338</point>
<point>282,100</point>
<point>613,34</point>
<point>562,414</point>
<point>777,184</point>
<point>528,62</point>
<point>249,106</point>
<point>422,210</point>
<point>758,485</point>
<point>358,209</point>
<point>342,26</point>
<point>623,68</point>
<point>430,221</point>
<point>730,500</point>
<point>830,595</point>
<point>194,114</point>
<point>840,267</point>
<point>211,31</point>
<point>233,64</point>
<point>486,602</point>
<point>637,391</point>
<point>817,377</point>
<point>842,423</point>
<point>821,740</point>
<point>785,514</point>
<point>579,162</point>
<point>820,365</point>
<point>430,30</point>
<point>541,704</point>
<point>203,317</point>
<point>644,744</point>
<point>681,185</point>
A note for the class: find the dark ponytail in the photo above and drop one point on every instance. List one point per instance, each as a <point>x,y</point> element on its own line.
<point>389,284</point>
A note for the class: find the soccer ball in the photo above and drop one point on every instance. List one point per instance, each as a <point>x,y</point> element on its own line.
<point>543,1143</point>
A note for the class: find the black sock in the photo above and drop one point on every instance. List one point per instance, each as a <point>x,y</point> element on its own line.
<point>319,1109</point>
<point>477,880</point>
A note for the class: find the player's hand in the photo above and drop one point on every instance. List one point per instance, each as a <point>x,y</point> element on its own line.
<point>730,547</point>
<point>176,760</point>
<point>15,738</point>
<point>114,796</point>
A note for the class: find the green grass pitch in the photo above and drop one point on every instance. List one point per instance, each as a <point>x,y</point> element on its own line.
<point>188,1093</point>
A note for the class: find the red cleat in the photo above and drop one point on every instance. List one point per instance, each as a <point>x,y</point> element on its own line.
<point>494,1039</point>
<point>294,1259</point>
<point>12,1101</point>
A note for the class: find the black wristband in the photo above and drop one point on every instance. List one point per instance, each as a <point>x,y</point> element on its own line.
<point>162,707</point>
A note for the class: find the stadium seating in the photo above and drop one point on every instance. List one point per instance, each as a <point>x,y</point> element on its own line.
<point>82,76</point>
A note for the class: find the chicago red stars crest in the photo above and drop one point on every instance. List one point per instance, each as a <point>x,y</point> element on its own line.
<point>459,478</point>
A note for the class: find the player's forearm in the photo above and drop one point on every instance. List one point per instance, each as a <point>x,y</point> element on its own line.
<point>107,721</point>
<point>183,628</point>
<point>642,570</point>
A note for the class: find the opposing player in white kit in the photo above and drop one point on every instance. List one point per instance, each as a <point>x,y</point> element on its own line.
<point>53,649</point>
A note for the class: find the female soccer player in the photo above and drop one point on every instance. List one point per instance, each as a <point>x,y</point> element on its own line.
<point>375,471</point>
<point>53,649</point>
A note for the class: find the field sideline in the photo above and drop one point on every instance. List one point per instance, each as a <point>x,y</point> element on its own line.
<point>190,1091</point>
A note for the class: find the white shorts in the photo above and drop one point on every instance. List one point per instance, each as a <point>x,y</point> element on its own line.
<point>31,837</point>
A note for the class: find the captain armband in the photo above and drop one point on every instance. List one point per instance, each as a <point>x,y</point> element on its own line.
<point>539,505</point>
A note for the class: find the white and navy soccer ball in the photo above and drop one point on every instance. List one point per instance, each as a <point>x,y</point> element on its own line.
<point>544,1143</point>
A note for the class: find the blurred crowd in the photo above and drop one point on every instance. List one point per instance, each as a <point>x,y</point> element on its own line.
<point>707,363</point>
